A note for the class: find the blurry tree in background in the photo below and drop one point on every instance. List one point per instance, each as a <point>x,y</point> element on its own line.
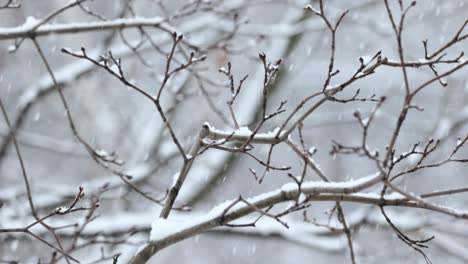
<point>233,131</point>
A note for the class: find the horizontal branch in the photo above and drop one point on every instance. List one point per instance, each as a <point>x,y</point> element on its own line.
<point>167,232</point>
<point>243,134</point>
<point>163,236</point>
<point>27,29</point>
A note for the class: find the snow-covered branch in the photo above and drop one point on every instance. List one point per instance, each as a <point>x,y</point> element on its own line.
<point>212,100</point>
<point>26,30</point>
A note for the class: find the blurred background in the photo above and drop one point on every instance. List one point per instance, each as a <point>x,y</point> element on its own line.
<point>117,119</point>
